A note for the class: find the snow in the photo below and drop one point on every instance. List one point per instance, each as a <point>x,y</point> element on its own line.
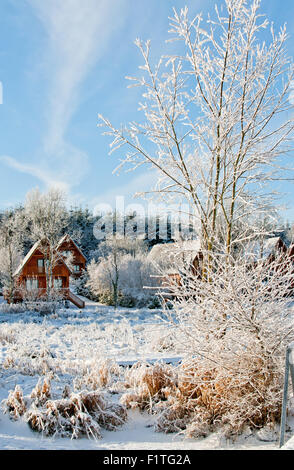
<point>72,340</point>
<point>289,444</point>
<point>175,256</point>
<point>136,434</point>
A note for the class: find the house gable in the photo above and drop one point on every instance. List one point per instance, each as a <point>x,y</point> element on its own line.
<point>30,266</point>
<point>67,244</point>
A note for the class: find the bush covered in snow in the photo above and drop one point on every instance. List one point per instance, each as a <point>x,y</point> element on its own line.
<point>39,306</point>
<point>74,415</point>
<point>13,308</point>
<point>235,322</point>
<point>121,274</point>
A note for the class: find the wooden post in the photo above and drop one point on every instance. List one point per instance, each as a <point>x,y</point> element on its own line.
<point>289,370</point>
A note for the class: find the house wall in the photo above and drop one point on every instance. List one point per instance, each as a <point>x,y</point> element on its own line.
<point>32,270</point>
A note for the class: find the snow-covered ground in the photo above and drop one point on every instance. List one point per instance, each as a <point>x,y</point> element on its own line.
<point>64,346</point>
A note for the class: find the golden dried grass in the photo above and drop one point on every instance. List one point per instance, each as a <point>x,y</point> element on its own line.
<point>149,384</point>
<point>42,391</point>
<point>81,414</point>
<point>15,404</point>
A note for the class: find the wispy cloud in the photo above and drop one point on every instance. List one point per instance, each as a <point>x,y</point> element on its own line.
<point>78,31</point>
<point>49,177</point>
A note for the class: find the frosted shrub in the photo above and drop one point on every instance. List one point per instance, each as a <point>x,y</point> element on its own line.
<point>75,415</point>
<point>42,392</point>
<point>7,335</point>
<point>29,305</point>
<point>46,304</point>
<point>63,418</point>
<point>44,308</point>
<point>81,414</point>
<point>15,404</point>
<point>98,375</point>
<point>235,323</point>
<point>32,362</point>
<point>13,308</point>
<point>119,277</point>
<point>148,383</point>
<point>174,415</point>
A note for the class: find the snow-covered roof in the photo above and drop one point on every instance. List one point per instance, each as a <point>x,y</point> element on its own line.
<point>262,250</point>
<point>67,238</point>
<point>26,258</point>
<point>29,255</point>
<point>175,256</point>
<point>270,245</point>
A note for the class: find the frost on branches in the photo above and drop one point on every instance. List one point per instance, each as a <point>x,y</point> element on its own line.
<point>122,269</point>
<point>234,323</point>
<point>215,117</point>
<point>215,124</point>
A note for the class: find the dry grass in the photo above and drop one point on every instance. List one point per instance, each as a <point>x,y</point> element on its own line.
<point>7,337</point>
<point>149,384</point>
<point>63,418</point>
<point>208,399</point>
<point>81,414</point>
<point>201,398</point>
<point>98,375</point>
<point>42,392</point>
<point>172,415</point>
<point>15,404</point>
<point>32,365</point>
<point>74,415</point>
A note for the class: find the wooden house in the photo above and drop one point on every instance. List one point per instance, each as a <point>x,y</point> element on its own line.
<point>267,250</point>
<point>176,259</point>
<point>30,277</point>
<point>67,247</point>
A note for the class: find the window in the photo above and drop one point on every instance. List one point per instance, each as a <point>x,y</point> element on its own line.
<point>57,282</point>
<point>32,284</point>
<point>66,253</point>
<point>76,268</point>
<point>40,262</point>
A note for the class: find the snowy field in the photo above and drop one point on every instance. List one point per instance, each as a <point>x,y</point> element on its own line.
<point>69,348</point>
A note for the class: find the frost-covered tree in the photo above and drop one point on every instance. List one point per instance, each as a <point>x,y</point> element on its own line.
<point>11,249</point>
<point>80,227</point>
<point>215,117</point>
<point>122,267</point>
<point>105,273</point>
<point>136,273</point>
<point>47,216</point>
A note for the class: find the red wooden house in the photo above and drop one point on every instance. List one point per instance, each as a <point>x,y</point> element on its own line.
<point>30,277</point>
<point>67,247</point>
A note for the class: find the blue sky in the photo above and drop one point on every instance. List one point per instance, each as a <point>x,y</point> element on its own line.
<point>62,63</point>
